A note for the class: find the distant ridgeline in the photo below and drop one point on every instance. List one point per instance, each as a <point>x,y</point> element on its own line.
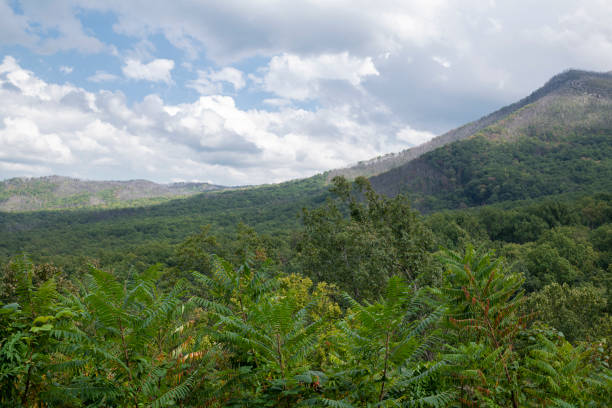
<point>556,142</point>
<point>569,101</point>
<point>55,192</point>
<point>329,294</point>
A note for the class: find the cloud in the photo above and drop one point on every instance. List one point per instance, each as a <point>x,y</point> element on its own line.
<point>102,76</point>
<point>22,141</point>
<point>278,102</point>
<point>442,61</point>
<point>365,74</point>
<point>49,128</point>
<point>294,77</point>
<point>414,137</point>
<point>47,27</point>
<point>14,27</point>
<point>65,69</point>
<point>211,81</point>
<point>499,51</point>
<point>157,70</point>
<point>232,30</point>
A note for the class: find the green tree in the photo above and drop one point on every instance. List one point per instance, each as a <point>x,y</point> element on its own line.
<point>270,333</point>
<point>30,334</point>
<point>385,352</point>
<point>486,317</point>
<point>361,238</point>
<point>555,373</point>
<point>578,312</point>
<point>138,342</point>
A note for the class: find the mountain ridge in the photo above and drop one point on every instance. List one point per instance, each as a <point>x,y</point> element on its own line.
<point>59,192</point>
<point>571,101</point>
<point>569,81</point>
<point>558,140</point>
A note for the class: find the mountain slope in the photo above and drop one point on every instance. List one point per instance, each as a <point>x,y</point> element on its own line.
<point>582,91</point>
<point>55,192</point>
<point>150,229</point>
<point>560,142</point>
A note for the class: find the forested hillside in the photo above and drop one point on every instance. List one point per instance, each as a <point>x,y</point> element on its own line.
<point>571,101</point>
<point>479,274</point>
<point>148,233</point>
<point>558,140</point>
<point>55,192</point>
<point>366,311</point>
<point>482,170</point>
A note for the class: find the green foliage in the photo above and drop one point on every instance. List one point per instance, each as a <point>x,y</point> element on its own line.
<point>558,374</point>
<point>248,337</point>
<point>485,315</point>
<point>578,312</point>
<point>148,345</point>
<point>484,170</point>
<point>361,238</point>
<point>136,237</point>
<point>204,332</point>
<point>28,345</point>
<point>385,351</point>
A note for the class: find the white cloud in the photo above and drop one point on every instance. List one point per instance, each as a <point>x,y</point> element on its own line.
<point>157,70</point>
<point>62,129</point>
<point>31,27</point>
<point>230,75</point>
<point>65,69</point>
<point>442,61</point>
<point>21,140</point>
<point>414,137</point>
<point>211,81</point>
<point>366,72</point>
<point>517,44</point>
<point>500,51</point>
<point>102,76</point>
<point>14,27</point>
<point>278,102</point>
<point>294,77</point>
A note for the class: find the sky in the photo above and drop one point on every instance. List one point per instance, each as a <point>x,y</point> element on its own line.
<point>262,91</point>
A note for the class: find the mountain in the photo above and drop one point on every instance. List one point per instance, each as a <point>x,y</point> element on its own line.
<point>557,143</point>
<point>557,140</point>
<point>574,104</point>
<point>148,230</point>
<point>570,100</point>
<point>56,192</point>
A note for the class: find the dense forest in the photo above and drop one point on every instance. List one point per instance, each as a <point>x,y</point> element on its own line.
<point>476,273</point>
<point>358,301</point>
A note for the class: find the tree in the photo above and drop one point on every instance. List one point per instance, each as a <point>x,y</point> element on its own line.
<point>486,317</point>
<point>578,312</point>
<point>555,373</point>
<point>384,351</point>
<point>136,344</point>
<point>360,238</point>
<point>31,352</point>
<point>271,335</point>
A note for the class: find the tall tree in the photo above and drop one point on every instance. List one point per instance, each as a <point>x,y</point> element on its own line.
<point>360,238</point>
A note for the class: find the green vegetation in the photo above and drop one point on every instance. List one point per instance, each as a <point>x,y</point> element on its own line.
<point>302,295</point>
<point>421,326</point>
<point>481,171</point>
<point>56,193</point>
<point>255,338</point>
<point>146,235</point>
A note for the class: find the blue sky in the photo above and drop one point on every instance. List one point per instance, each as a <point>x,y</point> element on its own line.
<point>238,92</point>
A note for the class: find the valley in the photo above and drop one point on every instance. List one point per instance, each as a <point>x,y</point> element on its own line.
<point>505,222</point>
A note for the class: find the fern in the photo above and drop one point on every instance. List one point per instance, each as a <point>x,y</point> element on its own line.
<point>385,342</point>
